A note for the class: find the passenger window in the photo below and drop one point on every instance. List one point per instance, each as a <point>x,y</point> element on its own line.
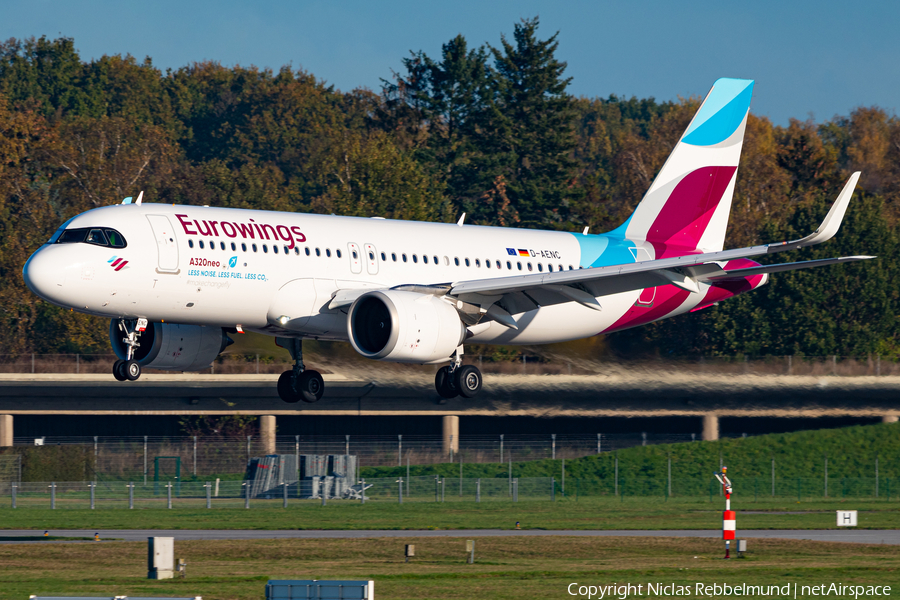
<point>560,268</point>
<point>519,265</point>
<point>338,252</point>
<point>394,256</point>
<point>477,263</point>
<point>371,256</point>
<point>190,243</point>
<point>570,267</point>
<point>328,252</point>
<point>529,267</point>
<point>404,258</point>
<point>265,248</point>
<point>550,268</point>
<point>307,251</point>
<point>212,244</point>
<point>446,261</point>
<point>509,265</point>
<point>318,252</point>
<point>415,260</point>
<point>456,260</point>
<point>498,265</point>
<point>297,250</point>
<point>253,247</point>
<point>287,250</point>
<point>96,236</point>
<point>243,247</point>
<point>383,257</point>
<point>355,255</point>
<point>467,262</point>
<point>233,247</point>
<point>275,249</point>
<point>201,244</point>
<point>540,267</point>
<point>435,260</point>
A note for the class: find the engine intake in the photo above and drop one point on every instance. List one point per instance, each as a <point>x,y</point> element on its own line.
<point>404,327</point>
<point>174,347</point>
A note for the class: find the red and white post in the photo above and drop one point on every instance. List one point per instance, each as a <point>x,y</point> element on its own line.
<point>728,517</point>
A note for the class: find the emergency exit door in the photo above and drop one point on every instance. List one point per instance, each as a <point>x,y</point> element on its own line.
<point>166,246</point>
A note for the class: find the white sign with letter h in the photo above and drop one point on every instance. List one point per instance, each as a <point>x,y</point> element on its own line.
<point>846,518</point>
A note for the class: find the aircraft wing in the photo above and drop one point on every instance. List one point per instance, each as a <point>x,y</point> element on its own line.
<point>586,285</point>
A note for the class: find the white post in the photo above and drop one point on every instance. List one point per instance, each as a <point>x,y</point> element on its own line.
<point>145,460</point>
<point>501,448</point>
<point>195,456</point>
<point>773,476</point>
<point>670,476</point>
<point>598,443</point>
<point>399,450</point>
<point>553,446</point>
<point>346,444</point>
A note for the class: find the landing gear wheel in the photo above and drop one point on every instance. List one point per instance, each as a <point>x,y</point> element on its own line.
<point>131,370</point>
<point>285,390</point>
<point>310,386</point>
<point>444,383</point>
<point>118,370</point>
<point>467,380</point>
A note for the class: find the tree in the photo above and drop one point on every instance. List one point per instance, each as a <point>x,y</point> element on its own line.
<point>529,135</point>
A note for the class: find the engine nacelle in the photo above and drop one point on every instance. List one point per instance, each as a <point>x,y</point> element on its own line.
<point>174,347</point>
<point>404,327</point>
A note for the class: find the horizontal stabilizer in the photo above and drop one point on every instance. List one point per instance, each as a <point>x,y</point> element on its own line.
<point>794,266</point>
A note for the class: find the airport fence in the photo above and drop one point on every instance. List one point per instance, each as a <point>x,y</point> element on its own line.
<point>149,458</point>
<point>429,489</point>
<point>523,364</point>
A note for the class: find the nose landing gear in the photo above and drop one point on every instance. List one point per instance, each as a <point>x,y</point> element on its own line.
<point>129,369</point>
<point>298,383</point>
<point>458,379</point>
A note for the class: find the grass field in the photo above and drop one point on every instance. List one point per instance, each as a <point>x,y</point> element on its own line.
<point>588,513</point>
<point>504,568</point>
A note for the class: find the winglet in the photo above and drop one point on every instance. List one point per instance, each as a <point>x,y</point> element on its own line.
<point>832,221</point>
<point>140,197</point>
<point>462,220</point>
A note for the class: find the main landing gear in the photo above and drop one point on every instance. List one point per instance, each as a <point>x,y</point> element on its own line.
<point>458,379</point>
<point>129,369</point>
<point>298,383</point>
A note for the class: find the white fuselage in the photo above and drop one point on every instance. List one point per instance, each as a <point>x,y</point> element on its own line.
<point>246,268</point>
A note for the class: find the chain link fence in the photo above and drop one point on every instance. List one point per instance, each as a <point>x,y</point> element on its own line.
<point>145,458</point>
<point>236,494</point>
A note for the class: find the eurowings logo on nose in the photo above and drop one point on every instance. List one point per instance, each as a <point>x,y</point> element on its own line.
<point>117,263</point>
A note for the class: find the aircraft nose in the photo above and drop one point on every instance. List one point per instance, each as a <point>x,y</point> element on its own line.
<point>43,274</point>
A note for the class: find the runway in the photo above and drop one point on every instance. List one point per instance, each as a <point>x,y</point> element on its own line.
<point>858,536</point>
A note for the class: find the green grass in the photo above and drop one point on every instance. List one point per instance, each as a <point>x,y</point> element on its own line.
<point>851,454</point>
<point>589,513</point>
<point>505,568</point>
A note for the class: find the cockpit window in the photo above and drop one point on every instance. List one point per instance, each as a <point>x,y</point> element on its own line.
<point>92,235</point>
<point>96,236</point>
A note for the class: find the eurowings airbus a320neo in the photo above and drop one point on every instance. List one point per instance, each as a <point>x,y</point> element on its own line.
<point>176,280</point>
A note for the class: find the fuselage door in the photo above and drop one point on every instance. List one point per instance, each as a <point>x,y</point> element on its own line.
<point>355,258</point>
<point>371,259</point>
<point>166,246</point>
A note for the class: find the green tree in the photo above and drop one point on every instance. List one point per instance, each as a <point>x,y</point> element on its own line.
<point>530,135</point>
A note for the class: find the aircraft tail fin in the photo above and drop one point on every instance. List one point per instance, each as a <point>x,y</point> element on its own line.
<point>687,206</point>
